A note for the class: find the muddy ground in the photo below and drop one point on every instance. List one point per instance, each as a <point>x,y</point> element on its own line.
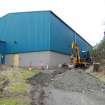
<point>66,87</point>
<point>50,87</point>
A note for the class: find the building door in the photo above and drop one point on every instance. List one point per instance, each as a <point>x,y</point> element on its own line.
<point>16,60</point>
<point>2,59</point>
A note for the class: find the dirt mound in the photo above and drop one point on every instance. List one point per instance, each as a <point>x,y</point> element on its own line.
<point>77,81</point>
<point>44,78</point>
<point>66,88</point>
<point>41,79</point>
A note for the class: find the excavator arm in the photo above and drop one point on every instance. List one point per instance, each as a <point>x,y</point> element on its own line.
<point>76,52</point>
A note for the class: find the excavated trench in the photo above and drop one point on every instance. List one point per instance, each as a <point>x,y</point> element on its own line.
<point>40,82</point>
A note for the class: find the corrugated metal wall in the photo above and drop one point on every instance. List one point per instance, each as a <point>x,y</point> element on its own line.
<point>62,37</point>
<point>2,47</point>
<point>26,32</point>
<point>37,31</point>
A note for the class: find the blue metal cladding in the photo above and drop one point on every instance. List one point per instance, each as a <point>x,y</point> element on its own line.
<point>26,31</point>
<point>2,47</point>
<point>62,37</point>
<point>38,31</point>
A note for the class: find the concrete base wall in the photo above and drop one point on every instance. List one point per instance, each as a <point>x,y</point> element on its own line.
<point>36,58</point>
<point>57,58</point>
<point>9,59</point>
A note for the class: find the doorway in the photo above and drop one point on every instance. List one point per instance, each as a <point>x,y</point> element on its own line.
<point>2,59</point>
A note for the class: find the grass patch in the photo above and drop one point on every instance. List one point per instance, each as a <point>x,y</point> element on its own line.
<point>17,80</point>
<point>14,101</point>
<point>18,88</point>
<point>27,74</point>
<point>8,102</point>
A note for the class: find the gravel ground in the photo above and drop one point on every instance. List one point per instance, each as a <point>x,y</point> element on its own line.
<point>77,81</point>
<point>64,87</point>
<point>60,97</point>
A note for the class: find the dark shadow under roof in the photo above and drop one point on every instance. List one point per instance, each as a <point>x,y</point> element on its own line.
<point>2,41</point>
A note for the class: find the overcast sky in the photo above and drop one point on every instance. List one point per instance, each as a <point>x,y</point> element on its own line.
<point>87,17</point>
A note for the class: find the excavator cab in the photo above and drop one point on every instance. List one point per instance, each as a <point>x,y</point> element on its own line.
<point>85,57</point>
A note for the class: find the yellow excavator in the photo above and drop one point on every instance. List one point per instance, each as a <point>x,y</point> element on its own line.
<point>80,59</point>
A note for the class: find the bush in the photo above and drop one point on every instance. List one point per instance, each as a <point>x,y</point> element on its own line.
<point>98,53</point>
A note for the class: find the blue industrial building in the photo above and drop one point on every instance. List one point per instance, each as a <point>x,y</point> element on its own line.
<point>24,35</point>
<point>2,47</point>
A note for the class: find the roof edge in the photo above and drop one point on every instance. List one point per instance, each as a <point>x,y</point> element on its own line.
<point>25,12</point>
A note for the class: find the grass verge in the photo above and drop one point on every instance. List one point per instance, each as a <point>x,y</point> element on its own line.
<point>17,86</point>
